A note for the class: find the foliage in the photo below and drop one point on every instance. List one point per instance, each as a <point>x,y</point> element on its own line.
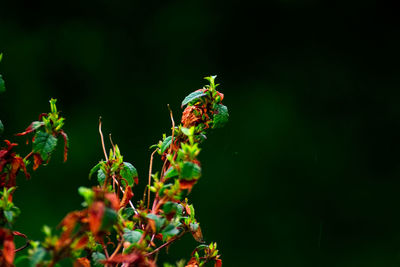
<point>111,230</point>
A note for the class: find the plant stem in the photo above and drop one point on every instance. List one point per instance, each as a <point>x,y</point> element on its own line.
<point>165,244</point>
<point>102,140</point>
<point>150,170</point>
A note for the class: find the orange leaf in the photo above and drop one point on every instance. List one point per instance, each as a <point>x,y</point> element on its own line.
<point>37,161</point>
<point>9,248</point>
<point>82,242</point>
<point>152,225</point>
<point>134,259</point>
<point>127,196</point>
<point>96,212</point>
<point>189,117</point>
<point>66,144</point>
<point>198,235</point>
<point>192,263</point>
<point>82,262</point>
<point>185,184</point>
<point>113,199</point>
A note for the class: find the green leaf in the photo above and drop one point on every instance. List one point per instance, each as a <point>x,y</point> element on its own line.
<point>1,57</point>
<point>201,247</point>
<point>159,221</point>
<point>37,256</point>
<point>132,236</point>
<point>95,169</point>
<point>192,96</point>
<point>211,79</point>
<point>110,217</point>
<point>87,194</point>
<point>191,211</point>
<point>166,143</point>
<point>170,207</point>
<point>9,215</point>
<point>127,212</point>
<point>129,172</point>
<point>101,177</point>
<point>190,171</point>
<point>194,227</point>
<point>221,116</point>
<point>97,258</point>
<point>1,127</point>
<point>20,259</point>
<point>46,230</point>
<point>169,231</point>
<point>171,172</point>
<point>2,85</point>
<point>187,131</point>
<point>44,144</point>
<point>36,125</point>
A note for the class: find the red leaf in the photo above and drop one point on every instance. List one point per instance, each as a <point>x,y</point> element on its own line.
<point>192,263</point>
<point>189,117</point>
<point>96,212</point>
<point>20,234</point>
<point>23,167</point>
<point>8,246</point>
<point>152,224</point>
<point>31,128</point>
<point>10,145</point>
<point>185,184</point>
<point>37,161</point>
<point>221,95</point>
<point>113,199</point>
<point>68,223</point>
<point>82,262</point>
<point>218,263</point>
<point>198,235</point>
<point>66,144</point>
<point>41,115</point>
<point>82,242</point>
<point>127,196</point>
<point>12,175</point>
<point>134,259</point>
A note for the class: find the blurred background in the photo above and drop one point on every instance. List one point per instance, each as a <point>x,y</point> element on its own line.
<point>306,173</point>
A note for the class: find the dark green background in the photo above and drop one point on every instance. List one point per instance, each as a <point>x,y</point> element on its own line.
<point>306,173</point>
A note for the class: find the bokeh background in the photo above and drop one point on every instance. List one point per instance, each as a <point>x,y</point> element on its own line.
<point>306,173</point>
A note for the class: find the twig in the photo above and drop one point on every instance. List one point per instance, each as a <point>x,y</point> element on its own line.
<point>102,139</point>
<point>152,238</point>
<point>173,128</point>
<point>116,250</point>
<point>29,155</point>
<point>112,143</point>
<point>105,250</point>
<point>27,241</point>
<point>165,244</point>
<point>150,170</point>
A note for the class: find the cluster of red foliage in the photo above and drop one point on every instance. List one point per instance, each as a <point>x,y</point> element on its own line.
<point>109,218</point>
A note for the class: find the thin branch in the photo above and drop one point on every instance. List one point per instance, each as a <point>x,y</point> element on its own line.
<point>102,139</point>
<point>29,155</point>
<point>112,143</point>
<point>165,244</point>
<point>150,170</point>
<point>27,241</point>
<point>105,250</point>
<point>173,129</point>
<point>151,241</point>
<point>116,250</point>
